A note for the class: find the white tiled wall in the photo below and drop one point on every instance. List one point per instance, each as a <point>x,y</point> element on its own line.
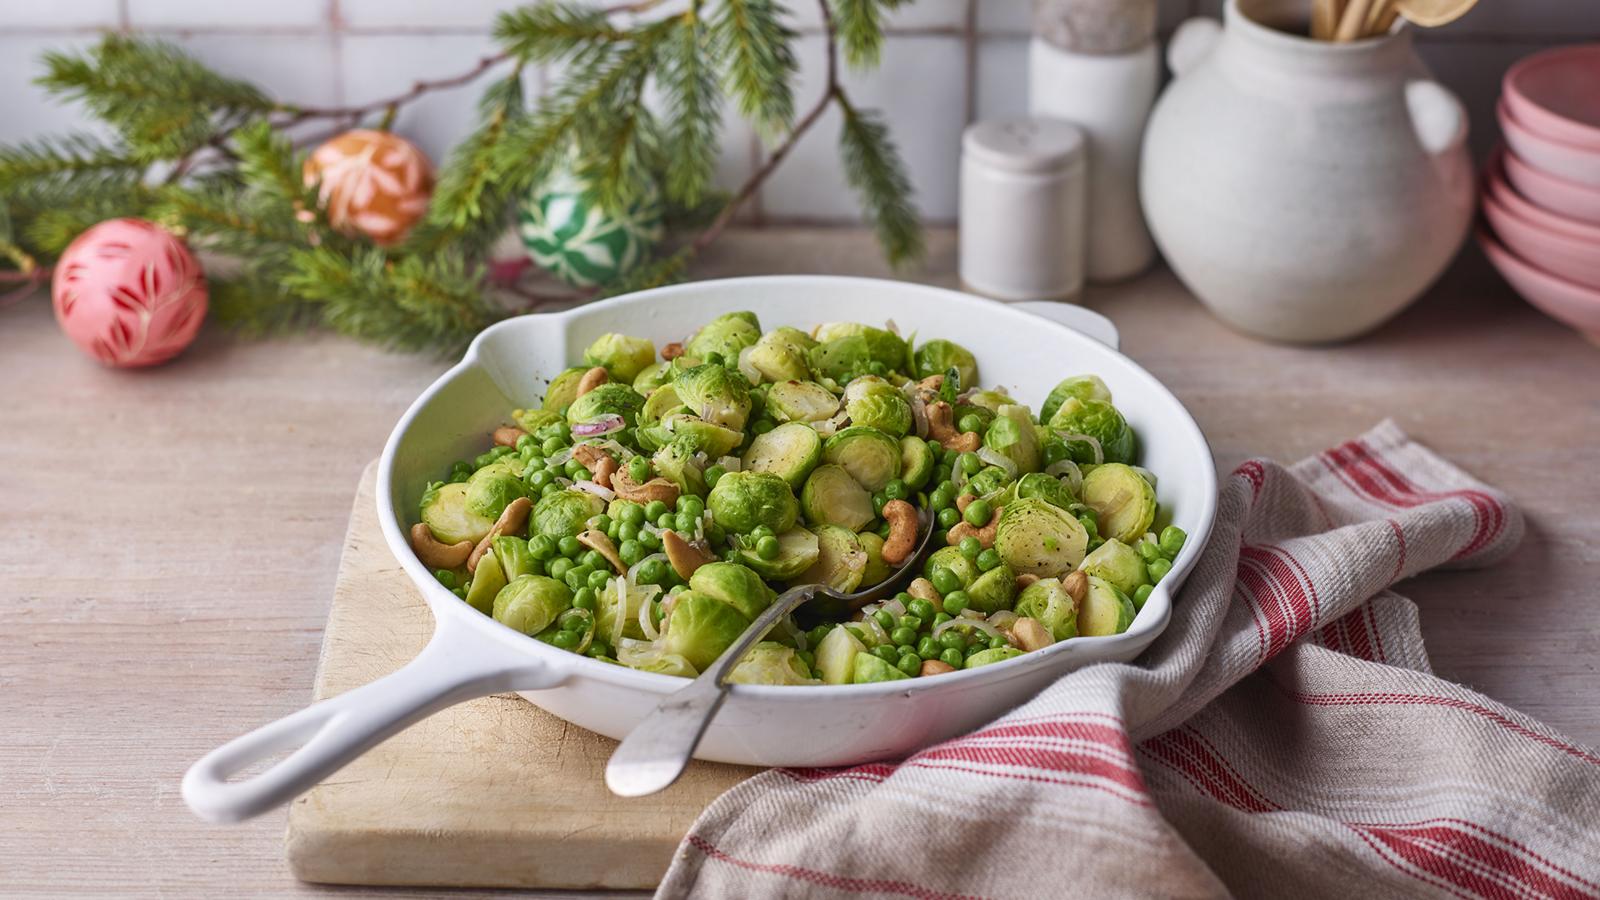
<point>935,76</point>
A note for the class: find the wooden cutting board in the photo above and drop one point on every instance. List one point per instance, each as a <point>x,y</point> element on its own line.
<point>490,793</point>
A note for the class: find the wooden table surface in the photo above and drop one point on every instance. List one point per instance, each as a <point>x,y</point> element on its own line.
<point>173,534</point>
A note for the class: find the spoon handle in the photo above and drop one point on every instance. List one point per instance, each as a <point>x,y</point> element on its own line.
<point>659,748</point>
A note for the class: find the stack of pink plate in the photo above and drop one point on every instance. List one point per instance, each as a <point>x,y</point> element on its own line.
<point>1542,192</point>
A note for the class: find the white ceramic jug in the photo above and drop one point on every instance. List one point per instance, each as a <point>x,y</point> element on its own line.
<point>1305,190</point>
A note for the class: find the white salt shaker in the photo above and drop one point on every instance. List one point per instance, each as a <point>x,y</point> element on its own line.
<point>1023,202</point>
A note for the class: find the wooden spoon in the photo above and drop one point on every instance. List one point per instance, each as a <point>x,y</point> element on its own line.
<point>1325,18</point>
<point>1433,13</point>
<point>1353,20</point>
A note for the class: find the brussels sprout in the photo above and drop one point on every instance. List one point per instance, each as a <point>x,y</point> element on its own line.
<point>1039,538</point>
<point>530,603</point>
<point>832,497</point>
<point>715,393</point>
<point>714,439</point>
<point>872,402</point>
<point>797,552</point>
<point>616,601</point>
<point>445,512</point>
<point>607,399</point>
<point>1117,563</point>
<point>840,560</point>
<point>866,668</point>
<point>916,462</point>
<point>989,401</point>
<point>992,655</point>
<point>1012,435</point>
<point>491,489</point>
<point>622,357</point>
<point>1048,601</point>
<point>740,501</point>
<point>848,348</point>
<point>870,456</point>
<point>662,402</point>
<point>989,482</point>
<point>531,420</point>
<point>515,560</point>
<point>1105,610</point>
<point>652,377</point>
<point>563,388</point>
<point>836,655</point>
<point>564,513</point>
<point>668,664</point>
<point>1099,420</point>
<point>682,462</point>
<point>994,590</point>
<point>700,628</point>
<point>950,558</point>
<point>780,355</point>
<point>801,401</point>
<point>789,451</point>
<point>937,356</point>
<point>725,336</point>
<point>1045,487</point>
<point>735,585</point>
<point>771,663</point>
<point>1123,502</point>
<point>487,582</point>
<point>876,570</point>
<point>1078,387</point>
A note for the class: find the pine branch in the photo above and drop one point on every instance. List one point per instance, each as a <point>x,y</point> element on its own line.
<point>860,31</point>
<point>664,270</point>
<point>69,156</point>
<point>255,307</point>
<point>470,202</point>
<point>415,303</point>
<point>688,79</point>
<point>552,31</point>
<point>874,169</point>
<point>761,64</point>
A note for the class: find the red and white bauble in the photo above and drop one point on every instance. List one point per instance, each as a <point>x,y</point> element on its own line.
<point>372,183</point>
<point>128,293</point>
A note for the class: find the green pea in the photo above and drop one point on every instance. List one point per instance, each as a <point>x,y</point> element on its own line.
<point>942,498</point>
<point>552,445</point>
<point>598,650</point>
<point>1087,520</point>
<point>970,463</point>
<point>633,514</point>
<point>666,521</point>
<point>577,577</point>
<point>887,652</point>
<point>579,624</point>
<point>1142,593</point>
<point>692,505</point>
<point>1171,540</point>
<point>631,552</point>
<point>885,618</point>
<point>577,471</point>
<point>1148,550</point>
<point>1159,569</point>
<point>639,469</point>
<point>767,547</point>
<point>684,522</point>
<point>896,489</point>
<point>970,422</point>
<point>920,608</point>
<point>988,559</point>
<point>540,478</point>
<point>569,547</point>
<point>559,568</point>
<point>996,642</point>
<point>939,618</point>
<point>949,516</point>
<point>583,598</point>
<point>566,640</point>
<point>910,663</point>
<point>549,489</point>
<point>815,635</point>
<point>928,648</point>
<point>978,513</point>
<point>952,658</point>
<point>601,522</point>
<point>879,500</point>
<point>649,541</point>
<point>524,441</point>
<point>714,474</point>
<point>542,546</point>
<point>952,639</point>
<point>594,559</point>
<point>627,531</point>
<point>762,426</point>
<point>807,657</point>
<point>654,510</point>
<point>614,531</point>
<point>482,460</point>
<point>445,577</point>
<point>955,602</point>
<point>651,571</point>
<point>903,635</point>
<point>910,621</point>
<point>970,547</point>
<point>945,581</point>
<point>599,578</point>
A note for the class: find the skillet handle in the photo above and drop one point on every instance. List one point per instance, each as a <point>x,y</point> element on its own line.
<point>1085,321</point>
<point>327,735</point>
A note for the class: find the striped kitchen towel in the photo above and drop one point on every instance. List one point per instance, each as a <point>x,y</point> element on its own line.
<point>1283,738</point>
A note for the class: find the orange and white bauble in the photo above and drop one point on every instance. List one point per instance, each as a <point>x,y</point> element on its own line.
<point>372,183</point>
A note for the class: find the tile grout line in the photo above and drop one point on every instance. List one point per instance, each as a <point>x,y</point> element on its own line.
<point>969,37</point>
<point>335,31</point>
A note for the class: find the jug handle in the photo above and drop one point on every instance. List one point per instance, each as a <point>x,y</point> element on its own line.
<point>1437,116</point>
<point>1191,43</point>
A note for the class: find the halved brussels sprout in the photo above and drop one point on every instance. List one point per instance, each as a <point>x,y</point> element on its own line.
<point>607,399</point>
<point>725,336</point>
<point>1117,563</point>
<point>615,601</point>
<point>700,628</point>
<point>797,552</point>
<point>1105,610</point>
<point>623,357</point>
<point>876,570</point>
<point>683,462</point>
<point>780,355</point>
<point>951,558</point>
<point>771,663</point>
<point>1099,420</point>
<point>992,655</point>
<point>871,402</point>
<point>735,585</point>
<point>1079,387</point>
<point>652,377</point>
<point>741,501</point>
<point>445,512</point>
<point>716,394</point>
<point>531,420</point>
<point>491,489</point>
<point>487,581</point>
<point>989,401</point>
<point>916,462</point>
<point>836,655</point>
<point>989,482</point>
<point>789,451</point>
<point>1045,487</point>
<point>662,402</point>
<point>564,513</point>
<point>840,560</point>
<point>1038,538</point>
<point>1048,601</point>
<point>832,497</point>
<point>938,355</point>
<point>714,439</point>
<point>515,559</point>
<point>529,603</point>
<point>563,388</point>
<point>870,456</point>
<point>866,669</point>
<point>801,401</point>
<point>847,349</point>
<point>1012,434</point>
<point>993,590</point>
<point>1123,502</point>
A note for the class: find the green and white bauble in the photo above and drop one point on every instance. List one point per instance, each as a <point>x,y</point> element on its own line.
<point>569,234</point>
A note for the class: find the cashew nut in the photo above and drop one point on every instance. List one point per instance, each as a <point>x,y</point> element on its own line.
<point>600,543</point>
<point>601,465</point>
<point>684,556</point>
<point>964,501</point>
<point>1025,580</point>
<point>936,667</point>
<point>1076,585</point>
<point>672,351</point>
<point>435,555</point>
<point>932,383</point>
<point>902,519</point>
<point>985,535</point>
<point>1029,634</point>
<point>507,436</point>
<point>592,379</point>
<point>923,589</point>
<point>942,428</point>
<point>654,489</point>
<point>511,520</point>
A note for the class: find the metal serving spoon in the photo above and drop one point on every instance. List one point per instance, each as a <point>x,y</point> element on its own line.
<point>658,749</point>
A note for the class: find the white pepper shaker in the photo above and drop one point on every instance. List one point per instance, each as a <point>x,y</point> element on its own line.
<point>1023,201</point>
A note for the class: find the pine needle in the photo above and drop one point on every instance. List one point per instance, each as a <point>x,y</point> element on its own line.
<point>754,40</point>
<point>874,169</point>
<point>552,31</point>
<point>688,80</point>
<point>860,30</point>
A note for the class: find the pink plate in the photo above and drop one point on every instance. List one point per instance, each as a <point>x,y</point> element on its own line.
<point>1496,186</point>
<point>1561,300</point>
<point>1556,93</point>
<point>1575,201</point>
<point>1569,161</point>
<point>1570,258</point>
